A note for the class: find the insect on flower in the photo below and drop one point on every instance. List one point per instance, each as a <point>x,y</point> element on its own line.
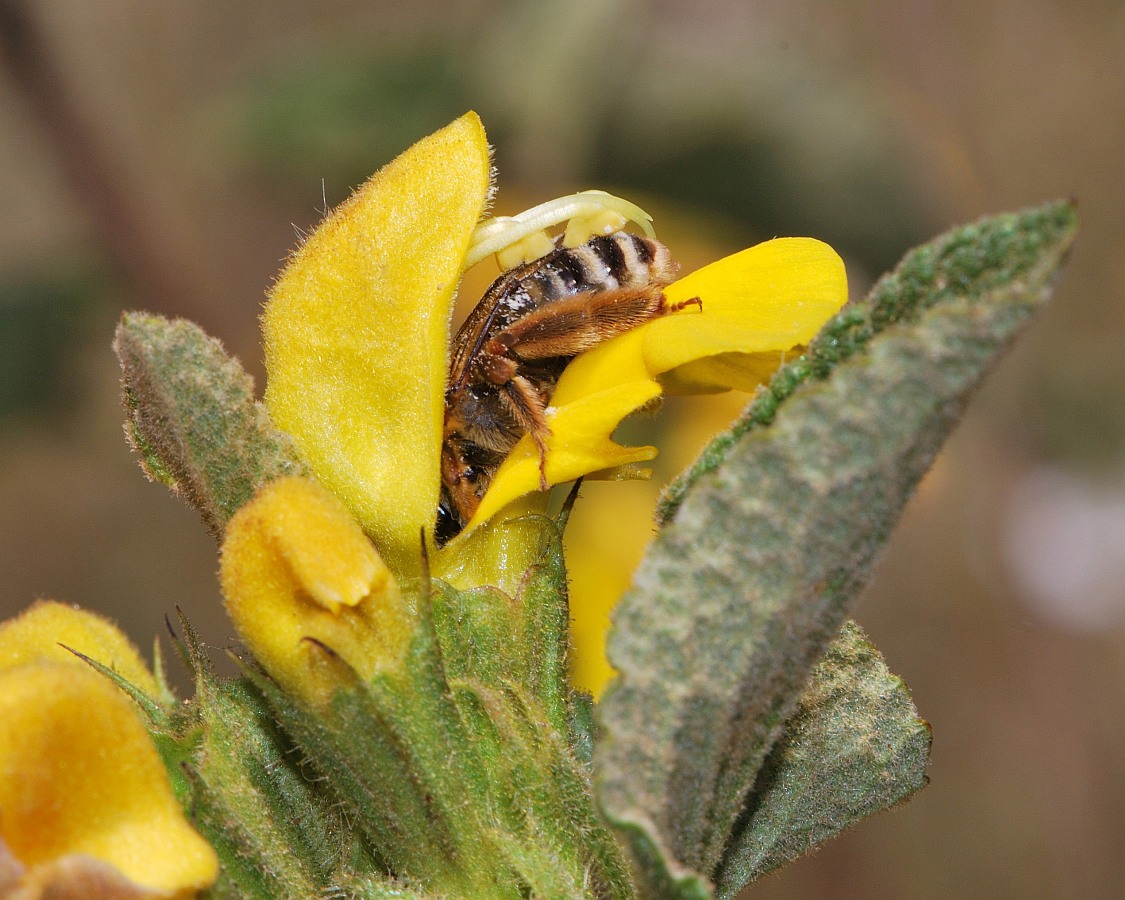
<point>357,342</point>
<point>507,357</point>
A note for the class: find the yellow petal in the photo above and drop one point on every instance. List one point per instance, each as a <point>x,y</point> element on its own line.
<point>605,540</point>
<point>46,628</point>
<point>770,297</point>
<point>609,529</point>
<point>578,445</point>
<point>356,332</point>
<point>617,362</point>
<point>721,372</point>
<point>299,576</point>
<point>78,774</point>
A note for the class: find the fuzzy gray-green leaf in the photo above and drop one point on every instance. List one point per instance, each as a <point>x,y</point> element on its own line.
<point>855,746</point>
<point>974,258</point>
<point>193,419</point>
<point>775,532</point>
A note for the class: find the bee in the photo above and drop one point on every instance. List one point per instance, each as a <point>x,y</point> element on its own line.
<point>507,357</point>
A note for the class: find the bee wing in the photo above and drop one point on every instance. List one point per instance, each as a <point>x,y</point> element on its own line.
<point>565,301</point>
<point>479,326</point>
<point>469,339</point>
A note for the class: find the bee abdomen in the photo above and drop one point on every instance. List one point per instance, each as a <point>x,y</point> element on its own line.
<point>604,263</point>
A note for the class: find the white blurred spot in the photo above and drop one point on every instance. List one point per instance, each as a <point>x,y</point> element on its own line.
<point>1064,545</point>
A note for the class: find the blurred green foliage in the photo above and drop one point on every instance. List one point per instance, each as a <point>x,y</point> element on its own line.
<point>343,115</point>
<point>812,160</point>
<point>44,321</point>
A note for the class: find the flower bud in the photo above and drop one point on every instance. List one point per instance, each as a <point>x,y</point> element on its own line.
<point>306,590</point>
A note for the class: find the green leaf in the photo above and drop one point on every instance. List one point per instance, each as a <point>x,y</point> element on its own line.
<point>193,419</point>
<point>855,746</point>
<point>774,532</point>
<point>964,262</point>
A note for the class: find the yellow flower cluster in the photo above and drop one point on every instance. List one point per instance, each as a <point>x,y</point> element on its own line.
<point>356,338</point>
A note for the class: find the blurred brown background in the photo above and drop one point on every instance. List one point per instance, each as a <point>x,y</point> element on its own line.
<point>161,155</point>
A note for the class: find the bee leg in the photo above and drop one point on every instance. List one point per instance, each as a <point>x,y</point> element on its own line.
<point>567,327</point>
<point>683,304</point>
<point>529,410</point>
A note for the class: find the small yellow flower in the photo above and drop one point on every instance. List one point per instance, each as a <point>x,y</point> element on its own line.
<point>85,802</point>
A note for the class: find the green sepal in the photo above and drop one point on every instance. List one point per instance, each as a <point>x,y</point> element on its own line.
<point>278,832</point>
<point>166,696</point>
<point>452,765</point>
<point>154,709</point>
<point>545,627</point>
<point>192,417</point>
<point>398,755</point>
<point>582,726</point>
<point>498,639</point>
<point>854,747</point>
<point>507,662</point>
<point>375,887</point>
<point>775,532</point>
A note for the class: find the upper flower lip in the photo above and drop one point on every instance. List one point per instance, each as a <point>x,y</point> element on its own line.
<point>356,331</point>
<point>356,335</point>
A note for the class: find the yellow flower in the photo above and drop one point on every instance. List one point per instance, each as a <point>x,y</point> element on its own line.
<point>85,802</point>
<point>356,336</point>
<point>356,332</point>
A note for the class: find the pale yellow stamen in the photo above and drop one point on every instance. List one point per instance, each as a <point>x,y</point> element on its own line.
<point>493,235</point>
<point>581,228</point>
<point>532,247</point>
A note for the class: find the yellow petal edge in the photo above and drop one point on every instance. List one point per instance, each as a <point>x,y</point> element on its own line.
<point>356,334</point>
<point>47,628</point>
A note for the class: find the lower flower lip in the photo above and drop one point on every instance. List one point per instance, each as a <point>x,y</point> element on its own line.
<point>758,303</point>
<point>80,775</point>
